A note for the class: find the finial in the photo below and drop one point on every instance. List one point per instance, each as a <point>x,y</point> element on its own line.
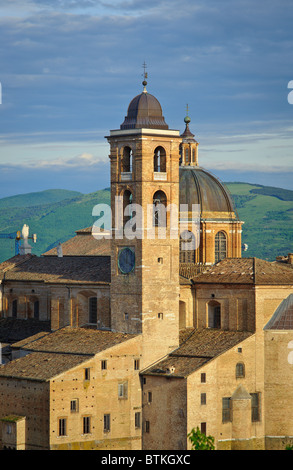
<point>145,76</point>
<point>187,118</point>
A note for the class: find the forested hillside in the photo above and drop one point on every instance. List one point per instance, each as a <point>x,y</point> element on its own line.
<point>55,215</point>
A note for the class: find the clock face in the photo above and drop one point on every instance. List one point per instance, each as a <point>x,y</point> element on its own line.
<point>126,260</point>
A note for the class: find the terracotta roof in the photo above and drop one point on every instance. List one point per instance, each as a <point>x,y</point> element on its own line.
<point>54,353</point>
<point>68,269</point>
<point>41,366</point>
<point>246,271</point>
<point>83,244</point>
<point>71,340</point>
<point>16,329</point>
<point>201,346</point>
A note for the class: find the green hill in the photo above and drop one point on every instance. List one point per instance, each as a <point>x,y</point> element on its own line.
<point>55,215</point>
<point>268,216</point>
<point>52,222</point>
<point>34,199</point>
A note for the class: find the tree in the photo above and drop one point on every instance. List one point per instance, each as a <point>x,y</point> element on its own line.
<point>200,441</point>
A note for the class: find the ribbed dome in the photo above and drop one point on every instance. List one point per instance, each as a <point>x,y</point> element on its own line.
<point>198,186</point>
<point>144,111</point>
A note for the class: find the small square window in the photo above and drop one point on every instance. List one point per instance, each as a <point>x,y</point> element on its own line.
<point>160,316</point>
<point>160,260</point>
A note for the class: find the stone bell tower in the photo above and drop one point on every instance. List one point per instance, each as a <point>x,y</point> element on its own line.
<point>144,156</point>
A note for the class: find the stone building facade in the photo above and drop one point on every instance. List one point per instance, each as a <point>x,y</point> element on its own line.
<point>130,341</point>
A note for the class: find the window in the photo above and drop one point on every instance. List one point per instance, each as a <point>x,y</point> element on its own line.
<point>220,246</point>
<point>240,370</point>
<point>187,247</point>
<point>147,426</point>
<point>136,364</point>
<point>150,397</point>
<point>137,420</point>
<point>74,405</point>
<point>36,309</point>
<point>160,316</point>
<point>122,390</point>
<point>255,407</point>
<point>8,429</point>
<point>203,378</point>
<point>203,398</point>
<point>226,410</point>
<point>103,365</point>
<point>14,308</point>
<point>93,309</point>
<point>62,427</point>
<point>87,374</point>
<point>203,428</point>
<point>214,314</point>
<point>160,160</point>
<point>86,425</point>
<point>127,160</point>
<point>126,316</point>
<point>160,204</point>
<point>107,423</point>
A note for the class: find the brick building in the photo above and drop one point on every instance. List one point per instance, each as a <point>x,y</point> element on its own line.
<point>129,342</point>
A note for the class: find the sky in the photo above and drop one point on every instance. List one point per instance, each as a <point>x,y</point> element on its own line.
<point>69,69</point>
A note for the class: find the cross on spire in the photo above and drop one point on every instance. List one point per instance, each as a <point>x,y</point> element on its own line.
<point>145,76</point>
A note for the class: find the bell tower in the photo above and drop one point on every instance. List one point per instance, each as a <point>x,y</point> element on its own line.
<point>144,158</point>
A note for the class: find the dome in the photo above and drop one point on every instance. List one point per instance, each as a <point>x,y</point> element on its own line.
<point>198,186</point>
<point>144,111</point>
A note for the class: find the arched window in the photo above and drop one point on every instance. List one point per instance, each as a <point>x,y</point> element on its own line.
<point>127,160</point>
<point>240,370</point>
<point>127,200</point>
<point>160,160</point>
<point>220,246</point>
<point>186,155</point>
<point>93,310</point>
<point>214,314</point>
<point>187,247</point>
<point>160,204</point>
